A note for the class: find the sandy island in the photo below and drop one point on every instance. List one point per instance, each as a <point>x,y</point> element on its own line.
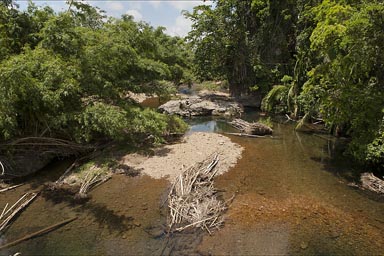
<point>168,161</point>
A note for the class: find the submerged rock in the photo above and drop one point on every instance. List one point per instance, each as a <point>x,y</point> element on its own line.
<point>202,106</point>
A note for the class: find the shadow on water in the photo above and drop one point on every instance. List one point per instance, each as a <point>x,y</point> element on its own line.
<point>102,215</point>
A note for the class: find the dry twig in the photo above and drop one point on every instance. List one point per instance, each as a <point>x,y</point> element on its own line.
<point>192,200</point>
<point>9,213</point>
<point>10,188</point>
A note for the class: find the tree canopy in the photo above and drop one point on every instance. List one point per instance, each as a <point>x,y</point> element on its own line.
<point>318,59</point>
<point>68,74</point>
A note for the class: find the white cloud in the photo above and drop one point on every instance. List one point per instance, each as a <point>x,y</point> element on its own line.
<point>184,5</point>
<point>136,14</point>
<point>181,28</point>
<point>115,6</point>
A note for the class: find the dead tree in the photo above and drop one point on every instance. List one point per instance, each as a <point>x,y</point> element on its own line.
<point>251,128</point>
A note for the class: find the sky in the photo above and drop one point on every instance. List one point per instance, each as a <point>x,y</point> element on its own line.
<point>166,13</point>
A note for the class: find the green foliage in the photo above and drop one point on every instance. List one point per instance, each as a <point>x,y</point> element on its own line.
<point>247,43</point>
<point>208,85</point>
<point>276,100</point>
<point>344,85</point>
<point>374,151</point>
<point>39,89</point>
<point>67,75</point>
<point>266,121</point>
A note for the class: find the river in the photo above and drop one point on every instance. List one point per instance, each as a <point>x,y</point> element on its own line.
<point>291,197</point>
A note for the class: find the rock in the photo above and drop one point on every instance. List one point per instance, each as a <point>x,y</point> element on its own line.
<point>202,106</point>
<point>335,235</point>
<point>303,245</point>
<point>155,232</point>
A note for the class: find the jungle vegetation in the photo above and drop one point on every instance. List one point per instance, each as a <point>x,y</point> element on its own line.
<point>67,74</point>
<point>314,59</point>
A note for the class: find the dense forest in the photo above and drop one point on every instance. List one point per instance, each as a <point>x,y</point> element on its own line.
<point>68,75</point>
<point>313,60</point>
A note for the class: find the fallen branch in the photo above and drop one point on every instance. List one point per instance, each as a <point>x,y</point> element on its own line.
<point>289,118</point>
<point>2,168</point>
<point>247,135</point>
<point>38,233</point>
<point>10,188</point>
<point>8,215</point>
<point>251,128</point>
<point>371,182</point>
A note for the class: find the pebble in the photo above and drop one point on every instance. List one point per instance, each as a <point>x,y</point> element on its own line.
<point>335,235</point>
<point>303,245</point>
<point>156,232</point>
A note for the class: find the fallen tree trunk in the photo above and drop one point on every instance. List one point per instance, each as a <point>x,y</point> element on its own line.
<point>371,182</point>
<point>247,135</point>
<point>251,128</point>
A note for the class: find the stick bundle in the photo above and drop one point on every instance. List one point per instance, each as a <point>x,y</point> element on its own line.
<point>192,200</point>
<point>91,180</point>
<point>9,213</point>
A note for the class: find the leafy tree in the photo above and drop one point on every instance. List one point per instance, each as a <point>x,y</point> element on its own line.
<point>249,43</point>
<point>347,84</point>
<point>67,75</point>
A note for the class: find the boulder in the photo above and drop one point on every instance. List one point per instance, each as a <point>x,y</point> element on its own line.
<point>199,106</point>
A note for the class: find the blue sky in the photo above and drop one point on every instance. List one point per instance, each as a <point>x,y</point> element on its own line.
<point>166,13</point>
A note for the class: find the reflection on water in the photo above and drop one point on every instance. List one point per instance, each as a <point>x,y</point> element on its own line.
<point>207,124</point>
<point>291,197</point>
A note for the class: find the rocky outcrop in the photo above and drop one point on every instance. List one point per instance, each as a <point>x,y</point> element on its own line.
<point>202,106</point>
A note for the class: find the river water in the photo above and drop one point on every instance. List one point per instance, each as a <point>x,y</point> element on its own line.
<point>291,196</point>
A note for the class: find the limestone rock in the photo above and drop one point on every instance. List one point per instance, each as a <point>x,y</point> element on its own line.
<point>199,106</point>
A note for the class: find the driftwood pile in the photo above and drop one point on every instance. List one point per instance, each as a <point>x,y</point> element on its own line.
<point>192,200</point>
<point>251,128</point>
<point>8,214</point>
<point>371,182</point>
<point>92,179</point>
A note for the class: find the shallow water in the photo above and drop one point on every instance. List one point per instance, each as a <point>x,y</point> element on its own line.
<point>291,197</point>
